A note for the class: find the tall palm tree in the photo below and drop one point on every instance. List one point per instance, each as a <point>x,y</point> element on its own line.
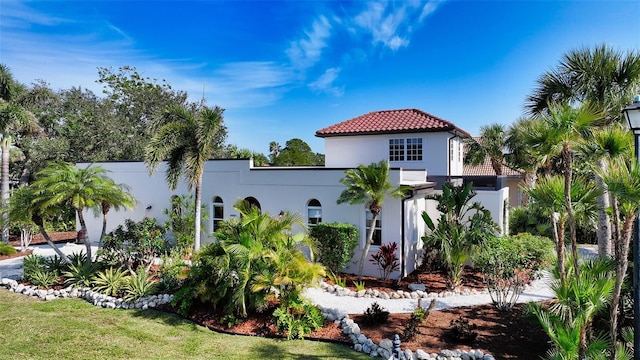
<point>623,182</point>
<point>608,144</point>
<point>602,76</point>
<point>116,196</point>
<point>562,130</point>
<point>61,184</point>
<point>186,139</point>
<point>369,185</point>
<point>491,144</point>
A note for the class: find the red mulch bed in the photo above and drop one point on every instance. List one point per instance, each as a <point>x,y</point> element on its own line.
<point>505,335</point>
<point>38,239</point>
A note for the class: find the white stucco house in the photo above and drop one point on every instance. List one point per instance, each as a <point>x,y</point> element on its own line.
<point>416,143</point>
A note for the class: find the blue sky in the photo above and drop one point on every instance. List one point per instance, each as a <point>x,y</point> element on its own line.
<point>286,69</point>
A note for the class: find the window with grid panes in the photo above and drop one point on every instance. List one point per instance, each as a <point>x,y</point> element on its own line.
<point>414,149</point>
<point>396,149</point>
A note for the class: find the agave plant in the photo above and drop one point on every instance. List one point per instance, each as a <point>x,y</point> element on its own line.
<point>80,274</point>
<point>139,285</point>
<point>111,281</point>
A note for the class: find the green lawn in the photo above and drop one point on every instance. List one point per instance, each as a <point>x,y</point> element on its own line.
<point>74,329</point>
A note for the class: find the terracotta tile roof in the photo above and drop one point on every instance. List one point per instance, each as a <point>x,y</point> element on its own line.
<point>390,122</point>
<point>485,169</point>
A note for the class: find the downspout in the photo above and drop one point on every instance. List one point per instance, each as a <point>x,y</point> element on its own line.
<point>403,267</point>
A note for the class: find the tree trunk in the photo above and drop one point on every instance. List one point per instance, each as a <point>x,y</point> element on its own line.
<point>85,236</point>
<point>568,172</point>
<point>38,221</point>
<point>367,244</point>
<point>105,211</point>
<point>603,231</point>
<point>530,178</point>
<point>558,236</point>
<point>6,142</point>
<point>196,241</point>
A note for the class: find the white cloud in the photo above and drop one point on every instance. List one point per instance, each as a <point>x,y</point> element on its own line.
<point>325,83</point>
<point>306,51</point>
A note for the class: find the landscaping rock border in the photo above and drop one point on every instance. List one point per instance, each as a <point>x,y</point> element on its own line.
<point>93,297</point>
<point>398,294</point>
<point>384,349</point>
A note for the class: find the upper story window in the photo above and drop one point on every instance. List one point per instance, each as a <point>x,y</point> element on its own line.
<point>377,228</point>
<point>414,149</point>
<point>396,149</point>
<point>409,149</point>
<point>314,212</point>
<point>218,212</point>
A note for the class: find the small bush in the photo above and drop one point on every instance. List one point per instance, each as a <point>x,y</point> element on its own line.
<point>338,280</point>
<point>173,272</point>
<point>462,332</point>
<point>54,264</point>
<point>43,278</point>
<point>418,317</point>
<point>6,249</point>
<point>31,265</point>
<point>230,321</point>
<point>359,285</point>
<point>336,243</point>
<point>375,315</point>
<point>81,274</point>
<point>133,245</point>
<point>386,259</point>
<point>297,323</point>
<point>77,258</point>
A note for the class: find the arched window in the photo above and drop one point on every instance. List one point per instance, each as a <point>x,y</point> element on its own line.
<point>377,232</point>
<point>314,212</point>
<point>253,202</point>
<point>218,212</point>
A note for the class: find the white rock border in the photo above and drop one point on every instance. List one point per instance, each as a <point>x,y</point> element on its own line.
<point>93,297</point>
<point>398,294</point>
<point>384,349</point>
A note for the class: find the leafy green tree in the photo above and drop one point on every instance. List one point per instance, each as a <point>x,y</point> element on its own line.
<point>491,144</point>
<point>369,185</point>
<point>186,139</point>
<point>233,152</point>
<point>296,153</point>
<point>462,225</point>
<point>336,243</point>
<point>64,184</point>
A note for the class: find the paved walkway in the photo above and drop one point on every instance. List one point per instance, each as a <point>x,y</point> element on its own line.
<point>12,268</point>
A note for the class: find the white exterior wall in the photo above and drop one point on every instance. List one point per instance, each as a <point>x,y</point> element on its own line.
<point>351,151</point>
<point>497,202</point>
<point>277,189</point>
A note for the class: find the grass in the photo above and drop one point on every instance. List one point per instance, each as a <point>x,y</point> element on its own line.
<point>74,329</point>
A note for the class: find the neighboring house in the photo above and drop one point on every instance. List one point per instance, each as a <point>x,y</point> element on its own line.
<point>413,141</point>
<point>514,177</point>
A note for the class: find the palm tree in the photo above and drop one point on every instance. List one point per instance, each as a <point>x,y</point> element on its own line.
<point>186,139</point>
<point>114,196</point>
<point>491,144</point>
<point>61,184</point>
<point>521,156</point>
<point>579,299</point>
<point>623,182</point>
<point>610,143</point>
<point>25,207</point>
<point>369,185</point>
<point>560,132</point>
<point>601,76</point>
<point>548,196</point>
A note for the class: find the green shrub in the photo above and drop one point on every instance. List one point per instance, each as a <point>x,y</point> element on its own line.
<point>230,320</point>
<point>81,274</point>
<point>507,263</point>
<point>182,220</point>
<point>110,281</point>
<point>43,278</point>
<point>139,286</point>
<point>133,245</point>
<point>6,249</point>
<point>297,323</point>
<point>54,264</point>
<point>418,317</point>
<point>462,331</point>
<point>77,258</point>
<point>336,243</point>
<point>375,315</point>
<point>173,272</point>
<point>31,265</point>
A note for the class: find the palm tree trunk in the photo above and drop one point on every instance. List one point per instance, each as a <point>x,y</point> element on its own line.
<point>105,211</point>
<point>568,173</point>
<point>196,242</point>
<point>6,141</point>
<point>38,221</point>
<point>603,230</point>
<point>367,245</point>
<point>558,236</point>
<point>530,178</point>
<point>85,236</point>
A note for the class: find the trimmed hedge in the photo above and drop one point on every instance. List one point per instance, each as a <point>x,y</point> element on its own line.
<point>336,242</point>
<point>6,249</point>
